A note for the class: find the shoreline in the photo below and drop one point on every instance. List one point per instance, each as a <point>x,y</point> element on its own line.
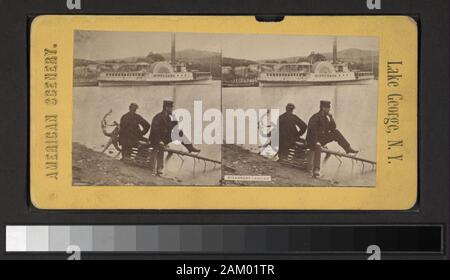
<point>243,162</point>
<point>92,168</point>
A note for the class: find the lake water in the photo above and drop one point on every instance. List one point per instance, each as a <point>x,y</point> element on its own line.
<point>354,108</point>
<point>90,104</point>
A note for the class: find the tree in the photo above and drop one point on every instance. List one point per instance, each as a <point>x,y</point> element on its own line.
<point>154,57</point>
<point>303,59</point>
<point>316,57</point>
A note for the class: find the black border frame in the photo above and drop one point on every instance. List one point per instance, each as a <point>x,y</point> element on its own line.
<point>15,207</point>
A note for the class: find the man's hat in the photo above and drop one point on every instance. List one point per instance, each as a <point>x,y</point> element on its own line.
<point>290,106</point>
<point>167,103</point>
<point>325,104</point>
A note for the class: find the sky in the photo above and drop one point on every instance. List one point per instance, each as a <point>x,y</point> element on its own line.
<point>100,45</point>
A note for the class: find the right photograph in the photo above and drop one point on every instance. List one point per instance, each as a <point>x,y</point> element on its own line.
<point>300,110</point>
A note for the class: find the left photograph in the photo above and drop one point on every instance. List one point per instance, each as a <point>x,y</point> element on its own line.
<point>137,100</point>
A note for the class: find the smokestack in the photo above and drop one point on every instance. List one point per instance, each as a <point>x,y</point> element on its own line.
<point>173,54</point>
<point>335,58</point>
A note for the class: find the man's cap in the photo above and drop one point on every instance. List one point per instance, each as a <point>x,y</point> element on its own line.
<point>134,105</point>
<point>325,104</point>
<point>167,103</point>
<point>290,106</point>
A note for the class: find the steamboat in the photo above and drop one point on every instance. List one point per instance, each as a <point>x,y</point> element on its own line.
<point>318,73</point>
<point>158,73</point>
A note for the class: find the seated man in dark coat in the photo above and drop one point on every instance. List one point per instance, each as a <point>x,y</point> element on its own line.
<point>161,135</point>
<point>133,127</point>
<point>321,131</point>
<point>291,129</point>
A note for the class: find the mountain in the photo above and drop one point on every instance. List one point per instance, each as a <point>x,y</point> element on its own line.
<point>233,62</point>
<point>355,55</point>
<point>348,55</point>
<point>190,55</point>
<point>82,62</point>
